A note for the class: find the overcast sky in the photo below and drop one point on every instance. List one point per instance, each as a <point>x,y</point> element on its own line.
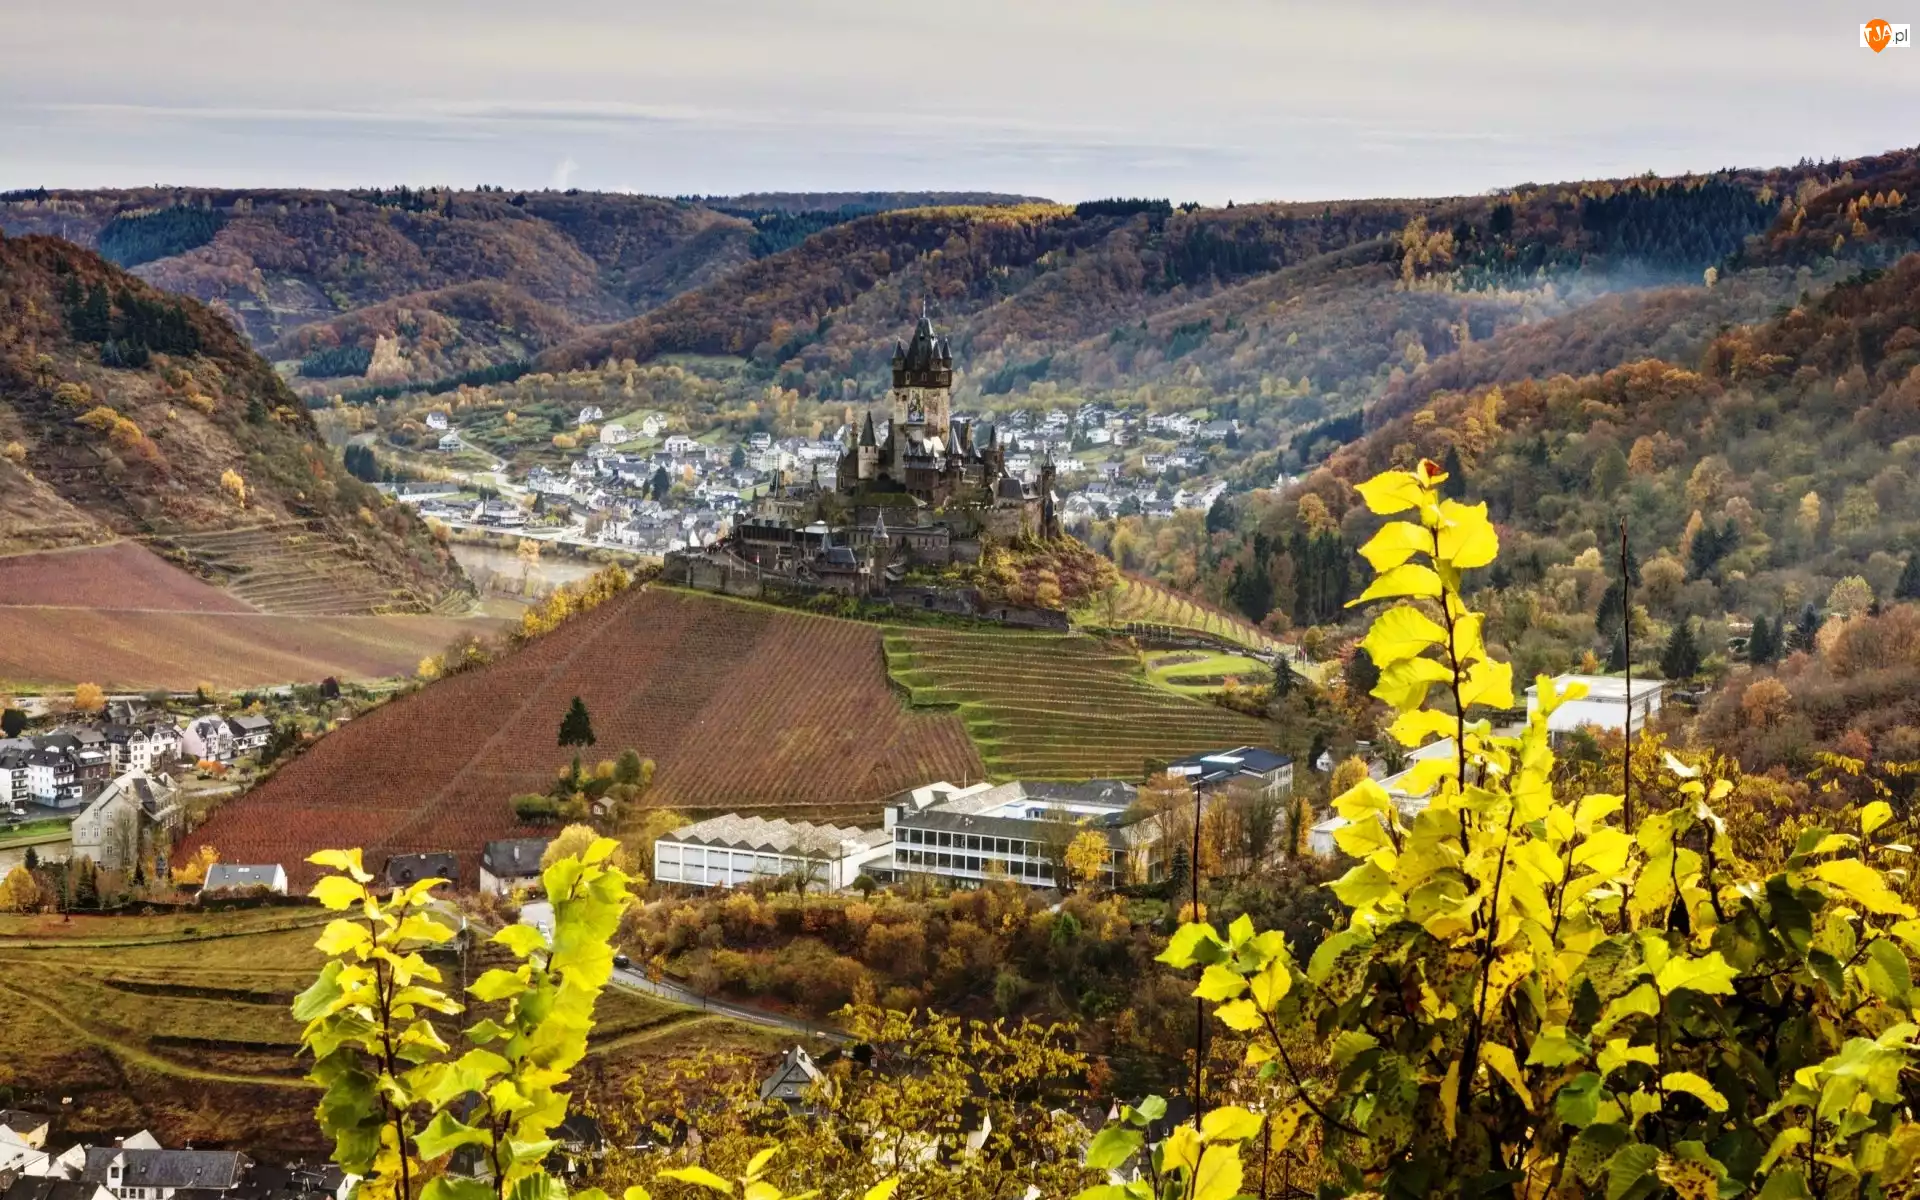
<point>1070,99</point>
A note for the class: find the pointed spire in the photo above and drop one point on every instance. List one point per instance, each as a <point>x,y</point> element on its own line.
<point>866,432</point>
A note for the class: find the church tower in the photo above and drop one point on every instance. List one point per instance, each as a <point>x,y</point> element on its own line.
<point>923,380</point>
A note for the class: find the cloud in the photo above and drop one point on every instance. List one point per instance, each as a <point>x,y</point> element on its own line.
<point>563,173</point>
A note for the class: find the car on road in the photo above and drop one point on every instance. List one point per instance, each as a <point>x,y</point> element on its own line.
<point>623,962</point>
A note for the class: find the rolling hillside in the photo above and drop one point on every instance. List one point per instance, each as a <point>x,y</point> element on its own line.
<point>129,412</point>
<point>741,707</point>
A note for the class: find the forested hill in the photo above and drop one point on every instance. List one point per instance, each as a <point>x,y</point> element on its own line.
<point>1287,315</point>
<point>1769,479</point>
<point>275,261</point>
<point>126,410</point>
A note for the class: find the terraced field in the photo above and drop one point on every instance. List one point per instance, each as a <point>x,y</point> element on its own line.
<point>1142,600</point>
<point>181,1023</point>
<point>1058,706</point>
<point>283,567</point>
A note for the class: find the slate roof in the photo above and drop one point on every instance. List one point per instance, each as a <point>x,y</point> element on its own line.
<point>29,1187</point>
<point>514,858</point>
<point>412,868</point>
<point>236,875</point>
<point>212,1170</point>
<point>1217,765</point>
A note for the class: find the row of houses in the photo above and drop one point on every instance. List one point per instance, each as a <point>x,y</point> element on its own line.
<point>65,768</point>
<point>506,866</point>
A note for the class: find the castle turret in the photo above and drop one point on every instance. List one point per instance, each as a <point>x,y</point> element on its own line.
<point>868,452</point>
<point>923,378</point>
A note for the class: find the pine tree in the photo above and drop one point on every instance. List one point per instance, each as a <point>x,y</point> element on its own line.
<point>1807,630</point>
<point>1607,620</point>
<point>1909,586</point>
<point>1362,674</point>
<point>1617,652</point>
<point>1455,488</point>
<point>1762,645</point>
<point>1681,658</point>
<point>33,859</point>
<point>576,728</point>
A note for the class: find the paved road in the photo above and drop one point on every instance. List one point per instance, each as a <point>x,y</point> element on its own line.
<point>668,990</point>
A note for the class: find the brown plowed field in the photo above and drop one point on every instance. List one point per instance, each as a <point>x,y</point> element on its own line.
<point>133,650</point>
<point>740,706</point>
<point>122,575</point>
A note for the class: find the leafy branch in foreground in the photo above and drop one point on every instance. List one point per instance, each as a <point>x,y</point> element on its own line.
<point>396,1099</point>
<point>1530,999</point>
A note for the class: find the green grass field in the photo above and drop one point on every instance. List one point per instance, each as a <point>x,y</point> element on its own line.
<point>1193,672</point>
<point>1058,706</point>
<point>180,1023</point>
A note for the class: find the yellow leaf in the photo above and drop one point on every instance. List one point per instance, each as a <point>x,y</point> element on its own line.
<point>1392,491</point>
<point>758,1162</point>
<point>1219,982</point>
<point>699,1177</point>
<point>338,892</point>
<point>1239,1014</point>
<point>1284,1124</point>
<point>1407,579</point>
<point>1873,816</point>
<point>1501,1060</point>
<point>342,936</point>
<point>1467,538</point>
<point>1861,884</point>
<point>1414,727</point>
<point>1400,633</point>
<point>1271,985</point>
<point>1450,1097</point>
<point>1694,1085</point>
<point>341,860</point>
<point>882,1190</point>
<point>1218,1175</point>
<point>1404,684</point>
<point>1182,1148</point>
<point>1229,1124</point>
<point>1489,683</point>
<point>1395,542</point>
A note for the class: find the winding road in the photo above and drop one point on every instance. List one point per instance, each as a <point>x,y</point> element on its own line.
<point>668,990</point>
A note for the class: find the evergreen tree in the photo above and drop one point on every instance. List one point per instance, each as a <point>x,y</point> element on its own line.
<point>32,859</point>
<point>13,722</point>
<point>739,458</point>
<point>1455,488</point>
<point>576,728</point>
<point>1252,591</point>
<point>1607,620</point>
<point>1362,673</point>
<point>1681,658</point>
<point>92,321</point>
<point>1617,652</point>
<point>658,485</point>
<point>1807,628</point>
<point>1909,586</point>
<point>1762,645</point>
<point>1221,516</point>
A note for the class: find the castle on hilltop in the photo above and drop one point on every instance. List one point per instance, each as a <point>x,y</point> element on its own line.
<point>922,491</point>
<point>927,452</point>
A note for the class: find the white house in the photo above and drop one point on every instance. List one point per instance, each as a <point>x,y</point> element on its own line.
<point>449,441</point>
<point>613,433</point>
<point>1603,707</point>
<point>733,851</point>
<point>511,864</point>
<point>133,811</point>
<point>437,420</point>
<point>589,415</point>
<point>1320,837</point>
<point>238,877</point>
<point>652,424</point>
<point>53,778</point>
<point>250,734</point>
<point>208,739</point>
<point>679,443</point>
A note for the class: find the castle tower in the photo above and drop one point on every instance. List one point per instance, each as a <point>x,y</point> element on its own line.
<point>868,453</point>
<point>923,378</point>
